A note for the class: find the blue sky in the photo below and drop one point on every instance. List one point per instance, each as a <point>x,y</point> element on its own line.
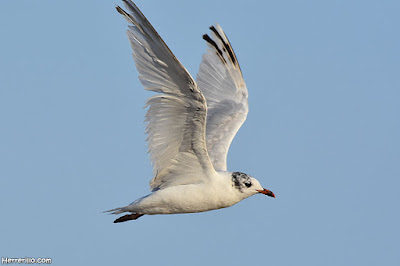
<point>322,134</point>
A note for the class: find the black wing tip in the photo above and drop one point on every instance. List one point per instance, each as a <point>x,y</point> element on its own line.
<point>119,9</point>
<point>213,43</point>
<point>207,38</point>
<point>227,45</point>
<point>213,29</point>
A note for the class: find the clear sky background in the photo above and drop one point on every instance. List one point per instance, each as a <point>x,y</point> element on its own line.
<point>322,133</point>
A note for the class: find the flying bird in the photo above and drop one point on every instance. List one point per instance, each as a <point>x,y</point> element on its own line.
<point>190,125</point>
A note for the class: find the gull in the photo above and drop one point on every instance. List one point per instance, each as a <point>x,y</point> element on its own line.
<point>190,125</point>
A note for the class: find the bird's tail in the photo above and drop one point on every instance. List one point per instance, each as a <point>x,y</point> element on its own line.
<point>118,210</point>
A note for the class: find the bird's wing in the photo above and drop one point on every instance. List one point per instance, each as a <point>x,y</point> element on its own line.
<point>221,81</point>
<point>176,116</point>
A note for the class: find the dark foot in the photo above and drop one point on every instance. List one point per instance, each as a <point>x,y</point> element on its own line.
<point>128,217</point>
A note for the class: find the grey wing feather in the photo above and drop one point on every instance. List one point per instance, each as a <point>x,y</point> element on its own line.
<point>221,81</point>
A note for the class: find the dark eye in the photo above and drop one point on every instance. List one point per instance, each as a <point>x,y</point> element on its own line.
<point>247,184</point>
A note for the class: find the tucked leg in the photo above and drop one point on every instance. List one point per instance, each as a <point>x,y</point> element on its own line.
<point>128,217</point>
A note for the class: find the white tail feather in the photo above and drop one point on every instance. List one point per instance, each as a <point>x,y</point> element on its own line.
<point>117,210</point>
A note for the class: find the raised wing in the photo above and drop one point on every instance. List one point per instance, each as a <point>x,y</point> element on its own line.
<point>221,81</point>
<point>176,116</point>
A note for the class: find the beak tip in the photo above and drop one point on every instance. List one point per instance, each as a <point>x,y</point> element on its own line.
<point>267,192</point>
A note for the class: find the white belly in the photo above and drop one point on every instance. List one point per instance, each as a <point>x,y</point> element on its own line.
<point>186,199</point>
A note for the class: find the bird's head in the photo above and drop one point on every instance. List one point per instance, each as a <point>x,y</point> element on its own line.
<point>248,185</point>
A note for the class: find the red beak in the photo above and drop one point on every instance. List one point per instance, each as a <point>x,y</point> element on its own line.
<point>267,192</point>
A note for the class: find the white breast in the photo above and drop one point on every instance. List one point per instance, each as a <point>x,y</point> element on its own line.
<point>200,197</point>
